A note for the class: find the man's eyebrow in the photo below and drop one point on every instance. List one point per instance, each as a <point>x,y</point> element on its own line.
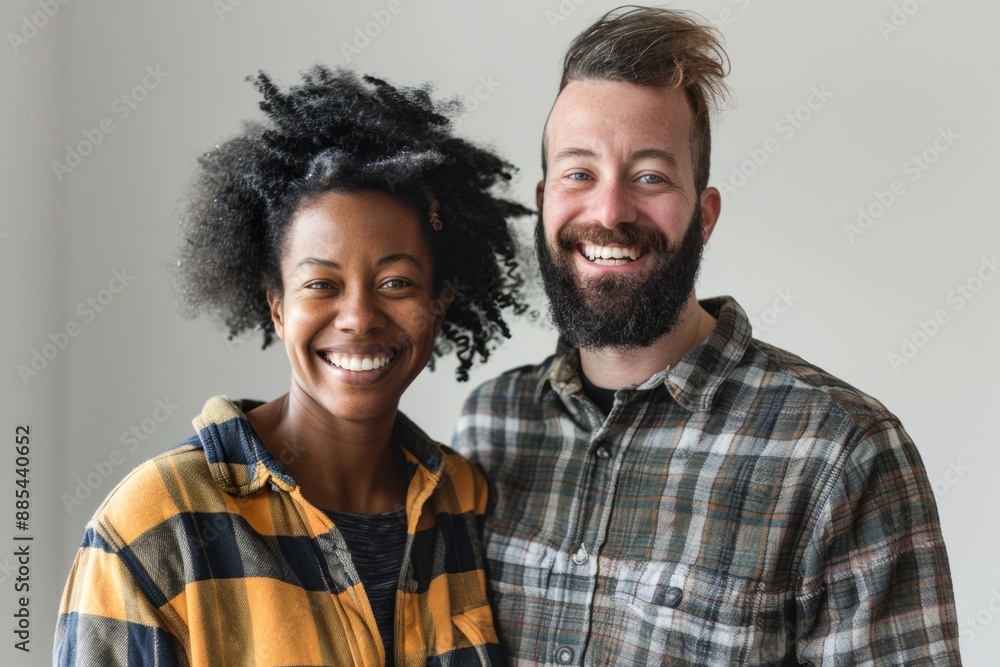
<point>388,259</point>
<point>575,152</point>
<point>657,154</point>
<point>642,153</point>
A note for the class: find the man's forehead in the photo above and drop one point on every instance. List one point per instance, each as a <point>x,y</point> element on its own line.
<point>589,115</point>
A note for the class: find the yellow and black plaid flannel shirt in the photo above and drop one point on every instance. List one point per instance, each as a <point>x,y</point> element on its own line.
<point>209,555</point>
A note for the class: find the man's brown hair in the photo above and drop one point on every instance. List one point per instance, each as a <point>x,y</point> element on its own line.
<point>665,48</point>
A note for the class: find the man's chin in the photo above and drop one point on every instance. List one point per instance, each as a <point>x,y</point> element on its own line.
<point>604,291</point>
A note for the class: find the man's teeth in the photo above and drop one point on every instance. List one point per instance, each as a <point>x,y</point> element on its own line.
<point>597,252</point>
<point>354,362</point>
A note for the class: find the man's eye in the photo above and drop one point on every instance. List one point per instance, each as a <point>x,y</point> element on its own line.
<point>651,179</point>
<point>578,176</point>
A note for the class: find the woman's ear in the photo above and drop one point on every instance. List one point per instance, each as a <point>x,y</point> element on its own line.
<point>277,312</point>
<point>439,306</point>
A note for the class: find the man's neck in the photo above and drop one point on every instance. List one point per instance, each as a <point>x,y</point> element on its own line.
<point>614,369</point>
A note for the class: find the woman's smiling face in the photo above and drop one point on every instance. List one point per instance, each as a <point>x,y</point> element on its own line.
<point>357,313</point>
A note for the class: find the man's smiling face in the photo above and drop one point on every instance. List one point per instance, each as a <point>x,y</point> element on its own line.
<point>622,228</point>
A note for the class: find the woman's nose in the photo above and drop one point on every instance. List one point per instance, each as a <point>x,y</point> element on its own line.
<point>359,312</point>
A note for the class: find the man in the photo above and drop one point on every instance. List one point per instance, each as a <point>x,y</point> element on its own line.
<point>668,489</point>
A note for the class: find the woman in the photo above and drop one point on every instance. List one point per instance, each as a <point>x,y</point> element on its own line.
<point>323,527</point>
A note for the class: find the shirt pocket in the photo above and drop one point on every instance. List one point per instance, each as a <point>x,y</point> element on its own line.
<point>519,566</point>
<point>518,572</point>
<point>679,609</point>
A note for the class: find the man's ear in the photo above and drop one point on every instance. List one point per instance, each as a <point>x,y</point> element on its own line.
<point>539,194</point>
<point>277,312</point>
<point>711,208</point>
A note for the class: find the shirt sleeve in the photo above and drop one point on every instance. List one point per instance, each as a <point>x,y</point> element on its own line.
<point>106,618</point>
<point>462,441</point>
<point>876,586</point>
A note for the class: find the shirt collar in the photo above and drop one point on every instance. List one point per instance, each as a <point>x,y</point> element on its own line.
<point>693,381</point>
<point>241,465</point>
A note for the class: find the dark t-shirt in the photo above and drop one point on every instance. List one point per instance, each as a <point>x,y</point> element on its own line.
<point>604,399</point>
<point>377,543</point>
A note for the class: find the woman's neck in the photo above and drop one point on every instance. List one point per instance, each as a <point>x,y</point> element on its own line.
<point>339,465</point>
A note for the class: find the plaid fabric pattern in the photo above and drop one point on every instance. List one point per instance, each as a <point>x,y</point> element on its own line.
<point>208,555</point>
<point>741,507</point>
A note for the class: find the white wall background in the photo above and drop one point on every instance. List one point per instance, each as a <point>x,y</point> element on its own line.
<point>899,72</point>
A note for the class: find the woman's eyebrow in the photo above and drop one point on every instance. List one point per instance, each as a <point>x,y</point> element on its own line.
<point>398,257</point>
<point>388,259</point>
<point>317,262</point>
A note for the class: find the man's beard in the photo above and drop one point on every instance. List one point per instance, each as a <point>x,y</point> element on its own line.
<point>626,311</point>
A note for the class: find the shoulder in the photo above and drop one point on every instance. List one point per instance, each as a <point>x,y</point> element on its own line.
<point>462,471</point>
<point>797,386</point>
<point>462,483</point>
<point>174,482</point>
<point>511,386</point>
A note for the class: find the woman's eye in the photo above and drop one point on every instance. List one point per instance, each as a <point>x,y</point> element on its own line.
<point>651,179</point>
<point>395,283</point>
<point>319,284</point>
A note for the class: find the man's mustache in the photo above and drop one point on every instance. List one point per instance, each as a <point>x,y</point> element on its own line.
<point>625,235</point>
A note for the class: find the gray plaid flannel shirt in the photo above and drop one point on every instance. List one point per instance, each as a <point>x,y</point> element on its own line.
<point>741,507</point>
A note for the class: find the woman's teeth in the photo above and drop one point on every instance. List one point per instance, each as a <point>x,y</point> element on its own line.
<point>354,362</point>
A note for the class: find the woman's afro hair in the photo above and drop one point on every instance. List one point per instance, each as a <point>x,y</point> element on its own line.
<point>335,131</point>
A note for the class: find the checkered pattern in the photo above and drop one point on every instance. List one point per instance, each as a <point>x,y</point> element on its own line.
<point>741,507</point>
<point>208,555</point>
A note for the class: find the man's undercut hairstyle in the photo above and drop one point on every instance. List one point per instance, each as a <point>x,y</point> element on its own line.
<point>663,48</point>
<point>338,132</point>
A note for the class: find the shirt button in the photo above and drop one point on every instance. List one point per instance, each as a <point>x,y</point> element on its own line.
<point>580,556</point>
<point>603,452</point>
<point>672,596</point>
<point>564,655</point>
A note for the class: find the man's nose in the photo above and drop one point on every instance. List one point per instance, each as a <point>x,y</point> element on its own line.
<point>613,205</point>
